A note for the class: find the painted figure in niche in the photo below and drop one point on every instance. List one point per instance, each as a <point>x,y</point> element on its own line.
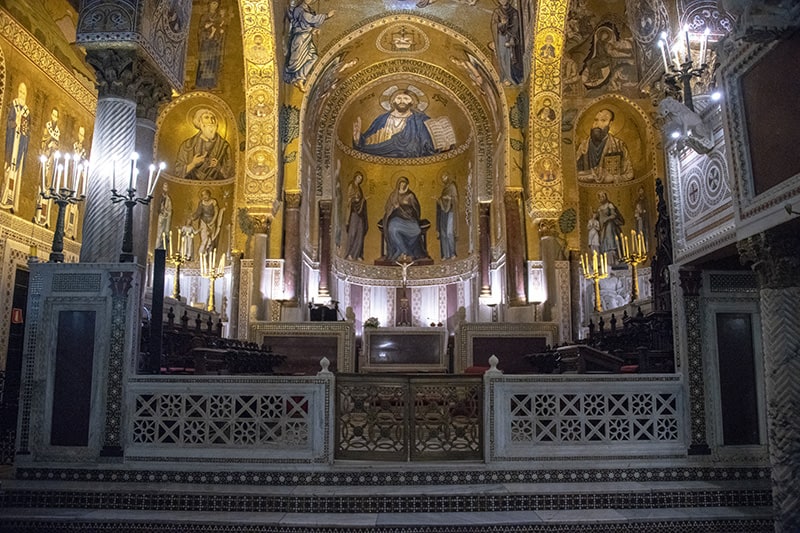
<point>546,113</point>
<point>642,217</point>
<point>401,225</point>
<point>206,155</point>
<point>187,233</point>
<point>356,227</point>
<point>507,43</point>
<point>18,133</point>
<point>594,233</point>
<point>548,49</point>
<point>51,142</point>
<point>602,157</point>
<point>209,218</point>
<point>164,223</point>
<point>304,22</point>
<point>213,25</point>
<point>611,221</point>
<point>403,131</point>
<point>609,61</point>
<point>447,217</point>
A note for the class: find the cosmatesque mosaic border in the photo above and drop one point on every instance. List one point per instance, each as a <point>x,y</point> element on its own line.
<point>756,525</point>
<point>390,478</point>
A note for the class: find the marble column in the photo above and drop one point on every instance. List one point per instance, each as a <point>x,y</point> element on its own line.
<point>262,225</point>
<point>325,210</point>
<point>126,87</point>
<point>151,93</point>
<point>485,246</point>
<point>550,250</point>
<point>691,282</point>
<point>292,233</point>
<point>775,258</point>
<point>236,279</point>
<point>515,242</point>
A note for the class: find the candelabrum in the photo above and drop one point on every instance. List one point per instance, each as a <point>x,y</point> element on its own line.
<point>633,253</point>
<point>595,268</point>
<point>65,184</point>
<point>208,260</point>
<point>130,199</point>
<point>678,73</point>
<point>182,256</point>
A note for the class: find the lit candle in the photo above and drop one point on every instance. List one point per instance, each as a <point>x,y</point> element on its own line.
<point>663,54</point>
<point>134,158</point>
<point>688,47</point>
<point>66,183</point>
<point>704,47</point>
<point>85,181</point>
<point>605,264</point>
<point>163,239</point>
<point>149,189</point>
<point>56,157</point>
<point>114,175</point>
<point>170,244</point>
<point>59,172</point>
<point>594,260</point>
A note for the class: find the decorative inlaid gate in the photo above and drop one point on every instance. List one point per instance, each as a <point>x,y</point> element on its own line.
<point>409,418</point>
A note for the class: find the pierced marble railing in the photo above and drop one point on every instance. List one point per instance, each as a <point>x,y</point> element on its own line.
<point>230,419</point>
<point>580,416</point>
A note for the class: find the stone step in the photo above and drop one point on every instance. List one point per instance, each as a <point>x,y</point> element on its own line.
<point>607,520</point>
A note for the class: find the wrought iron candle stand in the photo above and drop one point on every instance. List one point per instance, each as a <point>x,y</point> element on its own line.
<point>633,253</point>
<point>130,199</point>
<point>212,273</point>
<point>63,190</point>
<point>595,268</point>
<point>678,74</point>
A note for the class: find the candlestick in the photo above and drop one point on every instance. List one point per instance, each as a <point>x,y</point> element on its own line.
<point>598,271</point>
<point>634,259</point>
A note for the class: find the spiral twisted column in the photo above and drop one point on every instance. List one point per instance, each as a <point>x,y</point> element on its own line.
<point>114,140</point>
<point>774,257</point>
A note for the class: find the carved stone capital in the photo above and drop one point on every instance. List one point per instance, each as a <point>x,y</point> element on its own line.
<point>548,227</point>
<point>774,255</point>
<point>120,283</point>
<point>512,196</point>
<point>124,73</point>
<point>114,69</point>
<point>325,208</point>
<point>151,92</point>
<point>691,281</point>
<point>292,199</point>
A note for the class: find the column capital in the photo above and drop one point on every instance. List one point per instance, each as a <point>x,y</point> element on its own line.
<point>124,73</point>
<point>114,70</point>
<point>292,199</point>
<point>691,281</point>
<point>325,208</point>
<point>548,227</point>
<point>151,92</point>
<point>774,255</point>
